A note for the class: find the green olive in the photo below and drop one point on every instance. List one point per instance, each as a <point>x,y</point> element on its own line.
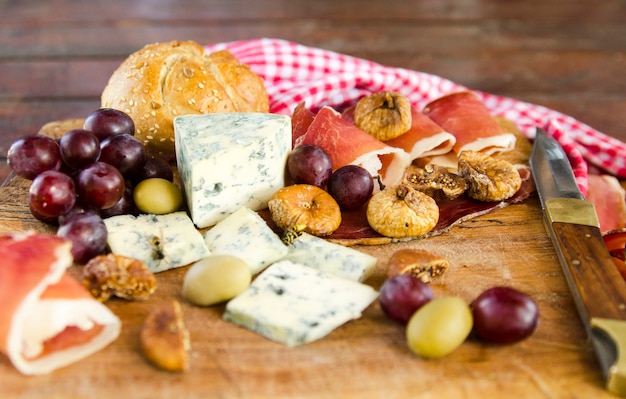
<point>157,196</point>
<point>439,327</point>
<point>216,279</point>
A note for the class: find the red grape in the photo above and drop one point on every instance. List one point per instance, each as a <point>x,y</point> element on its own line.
<point>503,315</point>
<point>155,166</point>
<point>125,206</point>
<point>351,186</point>
<point>87,233</point>
<point>51,194</point>
<point>100,185</point>
<point>51,220</point>
<point>32,155</point>
<point>125,152</point>
<point>105,122</point>
<point>401,295</point>
<point>79,148</point>
<point>309,164</point>
<point>78,208</point>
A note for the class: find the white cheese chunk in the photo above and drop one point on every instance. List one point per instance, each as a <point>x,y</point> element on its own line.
<point>162,242</point>
<point>294,304</point>
<point>246,235</point>
<point>332,258</point>
<point>230,160</point>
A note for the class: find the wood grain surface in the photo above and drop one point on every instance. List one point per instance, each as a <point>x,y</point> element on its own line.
<point>366,358</point>
<point>56,57</point>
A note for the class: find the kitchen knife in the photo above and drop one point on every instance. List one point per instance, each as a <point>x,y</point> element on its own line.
<point>597,287</point>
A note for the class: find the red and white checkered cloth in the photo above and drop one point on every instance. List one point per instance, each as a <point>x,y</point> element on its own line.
<point>294,73</point>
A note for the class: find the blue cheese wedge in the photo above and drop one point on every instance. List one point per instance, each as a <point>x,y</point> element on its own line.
<point>294,304</point>
<point>230,160</point>
<point>246,235</point>
<point>162,242</point>
<point>328,257</point>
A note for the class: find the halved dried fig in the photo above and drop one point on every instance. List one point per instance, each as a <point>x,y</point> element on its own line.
<point>435,181</point>
<point>402,212</point>
<point>489,179</point>
<point>165,338</point>
<point>116,275</point>
<point>384,115</point>
<point>419,263</point>
<point>305,208</point>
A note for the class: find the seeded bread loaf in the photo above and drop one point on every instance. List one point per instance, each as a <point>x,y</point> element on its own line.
<point>164,80</point>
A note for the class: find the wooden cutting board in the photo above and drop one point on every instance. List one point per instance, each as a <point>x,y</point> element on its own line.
<point>366,358</point>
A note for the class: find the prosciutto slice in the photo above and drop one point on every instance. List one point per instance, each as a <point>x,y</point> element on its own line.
<point>465,116</point>
<point>48,319</point>
<point>609,199</point>
<point>425,138</point>
<point>347,144</point>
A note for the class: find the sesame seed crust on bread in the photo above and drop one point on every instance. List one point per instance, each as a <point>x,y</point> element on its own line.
<point>164,80</point>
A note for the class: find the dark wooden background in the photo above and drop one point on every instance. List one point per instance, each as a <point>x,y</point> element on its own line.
<point>56,56</point>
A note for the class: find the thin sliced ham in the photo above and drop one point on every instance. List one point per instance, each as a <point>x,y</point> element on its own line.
<point>465,116</point>
<point>425,138</point>
<point>608,197</point>
<point>301,119</point>
<point>48,319</point>
<point>347,144</point>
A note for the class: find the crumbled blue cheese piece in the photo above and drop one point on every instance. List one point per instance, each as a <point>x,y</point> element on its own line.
<point>328,257</point>
<point>294,304</point>
<point>230,160</point>
<point>246,235</point>
<point>162,242</point>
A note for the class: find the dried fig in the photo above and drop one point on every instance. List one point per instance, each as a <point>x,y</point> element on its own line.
<point>402,212</point>
<point>116,275</point>
<point>384,115</point>
<point>418,263</point>
<point>435,181</point>
<point>305,208</point>
<point>489,179</point>
<point>165,338</point>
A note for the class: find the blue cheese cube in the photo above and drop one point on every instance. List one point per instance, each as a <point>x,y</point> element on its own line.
<point>294,304</point>
<point>328,257</point>
<point>162,242</point>
<point>246,235</point>
<point>231,160</point>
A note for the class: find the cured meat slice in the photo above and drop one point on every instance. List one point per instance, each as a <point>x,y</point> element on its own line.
<point>48,319</point>
<point>607,195</point>
<point>347,144</point>
<point>425,138</point>
<point>465,116</point>
<point>301,119</point>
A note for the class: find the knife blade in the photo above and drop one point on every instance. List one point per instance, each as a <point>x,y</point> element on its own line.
<point>598,289</point>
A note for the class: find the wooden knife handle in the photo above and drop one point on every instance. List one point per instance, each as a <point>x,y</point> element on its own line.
<point>600,294</point>
<point>591,273</point>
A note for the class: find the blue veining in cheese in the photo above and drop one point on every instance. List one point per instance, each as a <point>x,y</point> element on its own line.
<point>328,257</point>
<point>230,160</point>
<point>294,304</point>
<point>246,235</point>
<point>162,242</point>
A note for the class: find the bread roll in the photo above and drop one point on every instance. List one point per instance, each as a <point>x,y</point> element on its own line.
<point>164,80</point>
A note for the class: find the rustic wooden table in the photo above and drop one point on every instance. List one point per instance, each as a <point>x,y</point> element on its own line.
<point>56,56</point>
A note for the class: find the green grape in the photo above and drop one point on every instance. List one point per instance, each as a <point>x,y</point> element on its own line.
<point>439,327</point>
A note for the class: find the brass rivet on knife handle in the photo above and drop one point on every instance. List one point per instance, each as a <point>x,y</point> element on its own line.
<point>592,271</point>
